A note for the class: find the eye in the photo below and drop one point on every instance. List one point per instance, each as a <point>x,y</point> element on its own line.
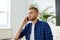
<point>31,13</point>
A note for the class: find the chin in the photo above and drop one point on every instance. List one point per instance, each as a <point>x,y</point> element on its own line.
<point>30,19</point>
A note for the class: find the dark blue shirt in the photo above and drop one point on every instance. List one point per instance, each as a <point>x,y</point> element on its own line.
<point>42,31</point>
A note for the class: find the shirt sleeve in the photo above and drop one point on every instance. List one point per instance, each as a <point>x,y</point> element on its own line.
<point>48,32</point>
<point>23,32</point>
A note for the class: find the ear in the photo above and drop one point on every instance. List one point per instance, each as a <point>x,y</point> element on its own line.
<point>37,14</point>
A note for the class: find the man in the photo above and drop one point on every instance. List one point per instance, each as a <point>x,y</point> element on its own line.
<point>36,30</point>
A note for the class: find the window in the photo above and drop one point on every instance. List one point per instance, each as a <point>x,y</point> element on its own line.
<point>4,14</point>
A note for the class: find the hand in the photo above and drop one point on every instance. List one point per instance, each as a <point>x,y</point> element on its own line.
<point>25,20</point>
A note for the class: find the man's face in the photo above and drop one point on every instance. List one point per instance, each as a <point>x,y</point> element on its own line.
<point>32,14</point>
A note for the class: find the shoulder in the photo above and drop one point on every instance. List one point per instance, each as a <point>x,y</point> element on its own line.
<point>43,23</point>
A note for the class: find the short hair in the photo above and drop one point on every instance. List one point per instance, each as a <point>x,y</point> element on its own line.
<point>34,8</point>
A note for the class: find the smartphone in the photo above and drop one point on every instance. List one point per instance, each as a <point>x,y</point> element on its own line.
<point>27,18</point>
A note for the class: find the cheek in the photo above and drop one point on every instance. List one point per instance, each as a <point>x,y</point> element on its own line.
<point>34,15</point>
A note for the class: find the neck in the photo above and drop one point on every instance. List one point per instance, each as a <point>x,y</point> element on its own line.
<point>34,21</point>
